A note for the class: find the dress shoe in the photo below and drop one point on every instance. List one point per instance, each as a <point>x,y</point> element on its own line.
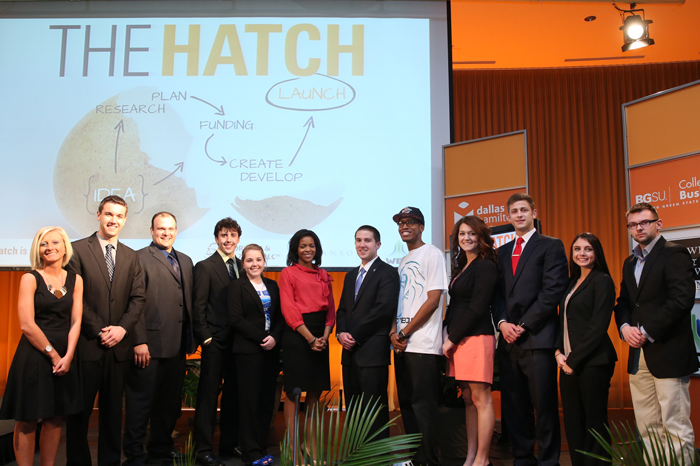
<point>208,460</point>
<point>234,452</point>
<point>167,458</point>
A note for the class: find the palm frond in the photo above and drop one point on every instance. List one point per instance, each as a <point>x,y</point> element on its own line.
<point>348,444</point>
<point>625,449</point>
<point>187,455</point>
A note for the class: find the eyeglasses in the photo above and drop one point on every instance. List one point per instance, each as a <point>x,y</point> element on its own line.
<point>408,223</point>
<point>644,224</point>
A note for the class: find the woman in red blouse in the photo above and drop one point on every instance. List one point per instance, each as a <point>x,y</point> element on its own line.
<point>306,296</point>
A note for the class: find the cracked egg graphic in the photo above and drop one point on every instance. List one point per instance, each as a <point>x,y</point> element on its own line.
<point>109,153</point>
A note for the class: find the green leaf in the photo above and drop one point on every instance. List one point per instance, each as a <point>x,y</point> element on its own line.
<point>350,443</point>
<point>625,449</point>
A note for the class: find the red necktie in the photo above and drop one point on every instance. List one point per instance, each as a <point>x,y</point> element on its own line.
<point>516,253</point>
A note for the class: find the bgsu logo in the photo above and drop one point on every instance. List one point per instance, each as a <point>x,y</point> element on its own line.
<point>657,196</point>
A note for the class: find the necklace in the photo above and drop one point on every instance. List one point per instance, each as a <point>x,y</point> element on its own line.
<point>59,293</point>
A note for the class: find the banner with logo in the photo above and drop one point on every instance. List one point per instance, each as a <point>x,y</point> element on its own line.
<point>480,176</point>
<point>662,159</point>
<point>490,207</point>
<point>672,187</point>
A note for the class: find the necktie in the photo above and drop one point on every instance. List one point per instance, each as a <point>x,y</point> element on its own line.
<point>231,273</point>
<point>516,253</point>
<point>358,282</point>
<point>110,261</point>
<point>173,262</point>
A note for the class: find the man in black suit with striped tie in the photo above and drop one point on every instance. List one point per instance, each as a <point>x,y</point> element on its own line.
<point>112,305</point>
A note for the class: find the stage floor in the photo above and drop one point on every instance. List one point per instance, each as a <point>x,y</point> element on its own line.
<point>500,455</point>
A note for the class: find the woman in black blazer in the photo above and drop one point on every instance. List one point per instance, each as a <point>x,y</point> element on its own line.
<point>256,318</point>
<point>469,340</point>
<point>585,354</point>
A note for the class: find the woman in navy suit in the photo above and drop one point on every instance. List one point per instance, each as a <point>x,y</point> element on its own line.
<point>256,318</point>
<point>469,340</point>
<point>584,352</point>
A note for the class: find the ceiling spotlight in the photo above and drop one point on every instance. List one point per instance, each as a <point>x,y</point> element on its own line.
<point>635,29</point>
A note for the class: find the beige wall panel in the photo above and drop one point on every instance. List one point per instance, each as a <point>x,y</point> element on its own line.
<point>487,165</point>
<point>664,126</point>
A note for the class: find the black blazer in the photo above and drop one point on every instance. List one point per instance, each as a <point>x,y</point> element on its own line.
<point>117,303</point>
<point>588,315</point>
<point>471,294</point>
<point>168,297</point>
<point>247,318</point>
<point>531,296</point>
<point>661,304</point>
<point>209,308</point>
<point>368,319</point>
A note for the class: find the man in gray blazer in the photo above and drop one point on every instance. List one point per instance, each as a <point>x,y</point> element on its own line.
<point>162,338</point>
<point>113,300</point>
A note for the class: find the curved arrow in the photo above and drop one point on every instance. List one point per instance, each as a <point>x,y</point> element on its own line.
<point>120,129</point>
<point>219,110</point>
<point>221,162</point>
<point>179,166</point>
<point>309,124</point>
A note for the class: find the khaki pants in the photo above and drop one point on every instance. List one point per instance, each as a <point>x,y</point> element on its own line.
<point>663,404</point>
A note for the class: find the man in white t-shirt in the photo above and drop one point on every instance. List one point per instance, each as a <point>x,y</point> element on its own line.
<point>416,335</point>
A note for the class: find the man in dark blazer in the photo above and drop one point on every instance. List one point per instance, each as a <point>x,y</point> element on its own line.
<point>653,314</point>
<point>113,300</point>
<point>162,339</point>
<point>365,314</point>
<point>212,330</point>
<point>534,278</point>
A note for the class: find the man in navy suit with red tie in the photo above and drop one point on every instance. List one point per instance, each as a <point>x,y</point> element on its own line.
<point>534,278</point>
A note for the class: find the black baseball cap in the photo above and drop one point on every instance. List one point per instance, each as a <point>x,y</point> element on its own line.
<point>413,212</point>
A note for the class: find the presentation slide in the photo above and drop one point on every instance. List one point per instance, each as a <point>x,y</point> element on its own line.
<point>324,122</point>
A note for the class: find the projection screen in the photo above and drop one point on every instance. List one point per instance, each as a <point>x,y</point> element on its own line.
<point>282,115</point>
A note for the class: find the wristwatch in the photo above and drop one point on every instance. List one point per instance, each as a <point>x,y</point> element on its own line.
<point>402,336</point>
<point>48,349</point>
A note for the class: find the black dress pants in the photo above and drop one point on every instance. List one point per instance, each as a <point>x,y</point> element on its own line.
<point>257,378</point>
<point>106,376</point>
<point>217,363</point>
<point>529,381</point>
<point>584,399</point>
<point>418,386</point>
<point>370,382</point>
<point>152,393</point>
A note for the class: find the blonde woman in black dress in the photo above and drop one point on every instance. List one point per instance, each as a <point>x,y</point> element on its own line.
<point>42,383</point>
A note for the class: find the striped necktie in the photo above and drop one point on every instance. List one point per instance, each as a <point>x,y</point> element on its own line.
<point>110,261</point>
<point>358,282</point>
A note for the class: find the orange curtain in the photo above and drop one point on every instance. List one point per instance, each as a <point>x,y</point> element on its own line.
<point>575,146</point>
<point>10,332</point>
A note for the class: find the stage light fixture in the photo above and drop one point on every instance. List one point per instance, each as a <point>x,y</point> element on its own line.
<point>635,28</point>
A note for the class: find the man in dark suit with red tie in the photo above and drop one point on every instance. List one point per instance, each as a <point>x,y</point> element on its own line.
<point>534,278</point>
<point>113,301</point>
<point>162,339</point>
<point>212,330</point>
<point>365,314</point>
